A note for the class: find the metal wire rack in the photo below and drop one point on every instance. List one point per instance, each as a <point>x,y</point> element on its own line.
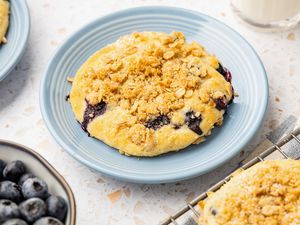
<point>192,206</point>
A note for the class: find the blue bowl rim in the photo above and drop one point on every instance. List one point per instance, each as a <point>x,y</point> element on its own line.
<point>140,179</point>
<point>22,46</point>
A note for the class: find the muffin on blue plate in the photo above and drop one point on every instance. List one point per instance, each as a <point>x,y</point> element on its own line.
<point>150,93</point>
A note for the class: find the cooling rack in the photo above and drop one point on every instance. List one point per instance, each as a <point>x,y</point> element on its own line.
<point>191,211</point>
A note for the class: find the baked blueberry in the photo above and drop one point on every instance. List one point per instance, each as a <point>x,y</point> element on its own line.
<point>221,104</point>
<point>48,221</point>
<point>228,76</point>
<point>10,190</point>
<point>32,209</point>
<point>91,112</point>
<point>14,170</point>
<point>193,122</point>
<point>221,69</point>
<point>15,222</point>
<point>8,210</point>
<point>56,207</point>
<point>158,122</point>
<point>35,187</point>
<point>2,166</point>
<point>232,97</point>
<point>24,177</point>
<point>225,72</point>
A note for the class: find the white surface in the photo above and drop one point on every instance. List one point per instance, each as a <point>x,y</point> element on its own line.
<point>20,118</point>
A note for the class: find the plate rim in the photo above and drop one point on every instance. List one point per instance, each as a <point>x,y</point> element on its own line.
<point>132,177</point>
<point>22,46</point>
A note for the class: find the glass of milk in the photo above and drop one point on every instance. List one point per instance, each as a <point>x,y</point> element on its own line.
<point>268,13</point>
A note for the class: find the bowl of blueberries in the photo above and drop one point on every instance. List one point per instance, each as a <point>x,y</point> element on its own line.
<point>32,192</point>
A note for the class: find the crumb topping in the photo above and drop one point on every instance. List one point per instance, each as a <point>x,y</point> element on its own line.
<point>152,74</point>
<point>150,93</point>
<point>267,193</point>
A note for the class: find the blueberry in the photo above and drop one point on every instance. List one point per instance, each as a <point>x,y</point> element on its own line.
<point>228,76</point>
<point>14,170</point>
<point>157,122</point>
<point>91,112</point>
<point>8,210</point>
<point>232,97</point>
<point>221,103</point>
<point>57,207</point>
<point>193,122</point>
<point>48,221</point>
<point>35,187</point>
<point>10,190</point>
<point>32,209</point>
<point>24,177</point>
<point>2,166</point>
<point>225,72</point>
<point>15,222</point>
<point>222,70</point>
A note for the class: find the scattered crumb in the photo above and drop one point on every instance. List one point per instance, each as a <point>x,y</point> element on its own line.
<point>265,51</point>
<point>190,196</point>
<point>100,181</point>
<point>280,110</point>
<point>291,36</point>
<point>7,126</point>
<point>139,207</point>
<point>242,153</point>
<point>54,43</point>
<point>115,196</point>
<point>272,124</point>
<point>62,30</point>
<point>277,99</point>
<point>70,79</point>
<point>40,122</point>
<point>223,14</point>
<point>127,192</point>
<point>167,209</point>
<point>29,109</point>
<point>138,221</point>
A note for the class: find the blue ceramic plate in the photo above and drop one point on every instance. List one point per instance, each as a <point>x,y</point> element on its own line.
<point>243,120</point>
<point>17,36</point>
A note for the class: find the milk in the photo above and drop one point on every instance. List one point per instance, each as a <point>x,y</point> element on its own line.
<point>267,11</point>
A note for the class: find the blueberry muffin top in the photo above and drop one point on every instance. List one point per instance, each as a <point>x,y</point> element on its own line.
<point>4,19</point>
<point>267,193</point>
<point>150,93</point>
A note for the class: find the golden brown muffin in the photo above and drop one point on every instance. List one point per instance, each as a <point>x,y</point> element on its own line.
<point>150,93</point>
<point>268,193</point>
<point>4,19</point>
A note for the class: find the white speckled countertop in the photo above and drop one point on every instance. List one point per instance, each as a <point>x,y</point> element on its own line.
<point>102,200</point>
